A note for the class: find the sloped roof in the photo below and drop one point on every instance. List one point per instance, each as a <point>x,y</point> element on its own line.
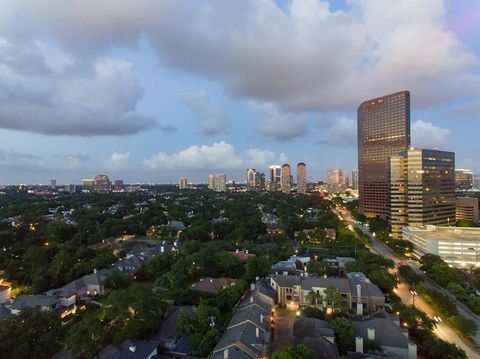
<point>244,337</point>
<point>254,315</point>
<point>142,350</point>
<point>387,332</point>
<point>322,348</point>
<point>33,301</point>
<point>311,327</point>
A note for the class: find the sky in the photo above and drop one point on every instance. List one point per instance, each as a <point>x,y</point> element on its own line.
<point>150,90</point>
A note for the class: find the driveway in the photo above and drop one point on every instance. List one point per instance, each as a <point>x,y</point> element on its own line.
<point>283,325</point>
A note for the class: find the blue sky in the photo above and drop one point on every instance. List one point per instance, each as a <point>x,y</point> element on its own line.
<point>148,91</point>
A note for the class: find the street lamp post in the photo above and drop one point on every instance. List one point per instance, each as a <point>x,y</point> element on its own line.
<point>413,292</point>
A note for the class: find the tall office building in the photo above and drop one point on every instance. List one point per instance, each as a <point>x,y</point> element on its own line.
<point>336,181</point>
<point>286,179</point>
<point>102,183</point>
<point>53,184</point>
<point>463,179</point>
<point>275,178</point>
<point>422,189</point>
<point>182,183</point>
<point>383,131</point>
<point>301,178</point>
<point>354,179</point>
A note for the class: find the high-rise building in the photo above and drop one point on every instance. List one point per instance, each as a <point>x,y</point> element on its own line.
<point>102,183</point>
<point>383,131</point>
<point>422,189</point>
<point>275,178</point>
<point>182,183</point>
<point>354,179</point>
<point>217,182</point>
<point>118,185</point>
<point>211,182</point>
<point>53,184</point>
<point>336,181</point>
<point>286,179</point>
<point>88,184</point>
<point>254,180</point>
<point>301,178</point>
<point>463,179</point>
<point>70,188</point>
<point>220,183</point>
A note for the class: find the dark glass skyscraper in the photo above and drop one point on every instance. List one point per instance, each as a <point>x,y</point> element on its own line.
<point>383,131</point>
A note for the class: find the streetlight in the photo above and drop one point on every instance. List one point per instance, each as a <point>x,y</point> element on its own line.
<point>413,292</point>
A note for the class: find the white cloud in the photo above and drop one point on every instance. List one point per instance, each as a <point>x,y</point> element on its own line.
<point>256,157</point>
<point>219,156</point>
<point>340,132</point>
<point>210,116</point>
<point>306,58</point>
<point>279,125</point>
<point>427,135</point>
<point>118,161</point>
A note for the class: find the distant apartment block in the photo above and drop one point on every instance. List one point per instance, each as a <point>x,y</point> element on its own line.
<point>336,181</point>
<point>286,179</point>
<point>182,183</point>
<point>217,183</point>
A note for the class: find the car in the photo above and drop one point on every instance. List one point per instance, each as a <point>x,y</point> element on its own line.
<point>437,319</point>
<point>400,264</point>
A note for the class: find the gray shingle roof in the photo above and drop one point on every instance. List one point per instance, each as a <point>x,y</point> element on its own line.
<point>368,288</point>
<point>142,350</point>
<point>243,336</point>
<point>253,314</point>
<point>387,333</point>
<point>33,301</point>
<point>311,327</point>
<point>341,284</point>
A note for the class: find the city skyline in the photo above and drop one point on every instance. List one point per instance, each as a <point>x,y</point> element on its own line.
<point>132,104</point>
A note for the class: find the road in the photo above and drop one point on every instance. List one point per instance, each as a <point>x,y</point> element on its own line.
<point>283,324</point>
<point>442,330</point>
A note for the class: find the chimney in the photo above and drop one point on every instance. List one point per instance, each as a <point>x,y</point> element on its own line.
<point>371,334</point>
<point>359,344</point>
<point>225,354</point>
<point>359,293</point>
<point>237,251</point>
<point>261,318</point>
<point>251,299</point>
<point>252,286</point>
<point>359,309</point>
<point>132,349</point>
<point>162,249</point>
<point>211,280</point>
<point>246,251</point>
<point>257,332</point>
<point>95,271</point>
<point>412,350</point>
<point>306,274</point>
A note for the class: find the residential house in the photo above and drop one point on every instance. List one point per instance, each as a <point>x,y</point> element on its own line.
<point>213,285</point>
<point>4,291</point>
<point>168,337</point>
<point>242,255</point>
<point>129,349</point>
<point>40,301</point>
<point>386,331</point>
<point>338,265</point>
<point>366,296</point>
<point>88,285</point>
<point>316,334</point>
<point>293,290</point>
<point>248,334</point>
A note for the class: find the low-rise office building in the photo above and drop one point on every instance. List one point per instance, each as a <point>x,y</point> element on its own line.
<point>458,246</point>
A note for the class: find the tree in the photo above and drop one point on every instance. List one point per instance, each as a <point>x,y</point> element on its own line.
<point>202,344</point>
<point>345,334</point>
<point>256,267</point>
<point>333,298</point>
<point>116,280</point>
<point>318,267</point>
<point>314,298</point>
<point>31,334</point>
<point>86,338</point>
<point>383,279</point>
<point>312,312</point>
<point>186,322</point>
<point>457,290</point>
<point>465,326</point>
<point>299,352</point>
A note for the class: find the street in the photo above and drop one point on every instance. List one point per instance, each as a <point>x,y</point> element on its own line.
<point>283,325</point>
<point>442,329</point>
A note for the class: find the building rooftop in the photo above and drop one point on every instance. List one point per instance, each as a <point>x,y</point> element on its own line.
<point>446,233</point>
<point>213,285</point>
